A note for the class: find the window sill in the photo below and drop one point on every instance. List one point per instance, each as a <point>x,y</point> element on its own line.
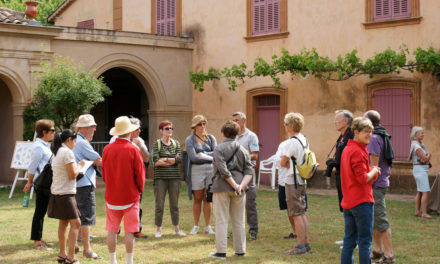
<point>267,37</point>
<point>393,22</point>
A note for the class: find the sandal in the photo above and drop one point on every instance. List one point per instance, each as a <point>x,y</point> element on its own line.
<point>71,261</point>
<point>426,216</point>
<point>61,259</point>
<point>91,255</point>
<point>376,255</point>
<point>77,249</point>
<point>386,260</point>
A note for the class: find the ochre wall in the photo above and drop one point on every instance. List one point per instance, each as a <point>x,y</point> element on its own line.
<point>136,16</point>
<point>80,10</point>
<point>333,28</point>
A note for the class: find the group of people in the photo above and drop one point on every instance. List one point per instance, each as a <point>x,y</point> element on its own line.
<point>363,161</point>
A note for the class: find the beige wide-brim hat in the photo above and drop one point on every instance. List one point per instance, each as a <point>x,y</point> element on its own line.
<point>197,120</point>
<point>86,120</point>
<point>123,126</point>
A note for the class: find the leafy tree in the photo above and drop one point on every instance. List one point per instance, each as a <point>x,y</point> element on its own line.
<point>309,62</point>
<point>65,91</point>
<point>45,8</point>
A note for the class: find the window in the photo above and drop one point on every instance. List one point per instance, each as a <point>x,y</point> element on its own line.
<point>266,19</point>
<point>398,103</point>
<point>166,17</point>
<point>385,13</point>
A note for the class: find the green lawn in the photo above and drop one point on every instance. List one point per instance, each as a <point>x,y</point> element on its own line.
<point>415,240</point>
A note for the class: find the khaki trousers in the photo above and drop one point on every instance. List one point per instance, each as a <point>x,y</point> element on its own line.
<point>227,204</point>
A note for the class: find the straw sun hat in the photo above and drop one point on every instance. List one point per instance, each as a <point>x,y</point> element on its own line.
<point>123,126</point>
<point>197,120</point>
<point>86,120</point>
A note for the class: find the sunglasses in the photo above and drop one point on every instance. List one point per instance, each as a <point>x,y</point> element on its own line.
<point>51,130</point>
<point>168,128</point>
<point>201,124</point>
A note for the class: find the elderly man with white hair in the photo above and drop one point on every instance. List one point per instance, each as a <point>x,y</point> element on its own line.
<point>85,187</point>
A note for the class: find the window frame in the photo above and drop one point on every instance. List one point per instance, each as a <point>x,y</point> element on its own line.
<point>414,17</point>
<point>250,23</point>
<point>411,84</point>
<point>178,18</point>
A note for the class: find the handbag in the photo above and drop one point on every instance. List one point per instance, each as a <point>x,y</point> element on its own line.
<point>44,180</point>
<point>209,189</point>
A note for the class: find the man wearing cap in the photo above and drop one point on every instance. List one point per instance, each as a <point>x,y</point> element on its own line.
<point>123,172</point>
<point>85,187</point>
<point>249,141</point>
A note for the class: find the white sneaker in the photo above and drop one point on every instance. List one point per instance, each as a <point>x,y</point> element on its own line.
<point>180,233</point>
<point>208,230</point>
<point>194,230</point>
<point>158,234</point>
<point>339,243</point>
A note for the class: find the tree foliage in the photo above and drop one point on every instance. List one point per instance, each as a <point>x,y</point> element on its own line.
<point>45,8</point>
<point>65,91</point>
<point>309,62</point>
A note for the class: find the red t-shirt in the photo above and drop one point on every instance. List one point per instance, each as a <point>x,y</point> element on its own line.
<point>354,168</point>
<point>123,172</point>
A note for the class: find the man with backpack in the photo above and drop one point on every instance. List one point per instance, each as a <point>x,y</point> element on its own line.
<point>381,155</point>
<point>295,186</point>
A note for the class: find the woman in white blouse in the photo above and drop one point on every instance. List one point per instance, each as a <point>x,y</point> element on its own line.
<point>62,203</point>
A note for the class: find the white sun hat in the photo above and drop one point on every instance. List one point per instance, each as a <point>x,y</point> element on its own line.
<point>123,126</point>
<point>86,120</point>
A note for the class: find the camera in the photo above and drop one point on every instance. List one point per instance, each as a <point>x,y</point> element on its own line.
<point>331,163</point>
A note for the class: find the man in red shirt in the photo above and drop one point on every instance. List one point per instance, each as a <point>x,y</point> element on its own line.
<point>123,173</point>
<point>357,201</point>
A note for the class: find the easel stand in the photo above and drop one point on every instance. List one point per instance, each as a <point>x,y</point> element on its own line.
<point>18,178</point>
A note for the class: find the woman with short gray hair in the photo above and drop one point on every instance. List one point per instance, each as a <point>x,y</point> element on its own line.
<point>421,161</point>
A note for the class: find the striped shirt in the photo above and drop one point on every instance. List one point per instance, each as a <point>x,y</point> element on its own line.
<point>168,172</point>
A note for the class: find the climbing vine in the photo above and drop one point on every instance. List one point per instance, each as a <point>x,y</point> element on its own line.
<point>309,62</point>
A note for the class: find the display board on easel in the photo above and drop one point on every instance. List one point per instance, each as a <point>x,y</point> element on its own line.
<point>20,162</point>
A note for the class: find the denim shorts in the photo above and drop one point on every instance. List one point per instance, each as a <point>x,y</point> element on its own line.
<point>85,199</point>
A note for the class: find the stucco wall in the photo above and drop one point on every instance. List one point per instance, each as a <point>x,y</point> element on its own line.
<point>136,16</point>
<point>333,28</point>
<point>80,10</point>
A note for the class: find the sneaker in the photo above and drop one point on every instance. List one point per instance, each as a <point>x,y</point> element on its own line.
<point>218,255</point>
<point>158,234</point>
<point>308,247</point>
<point>253,236</point>
<point>180,233</point>
<point>208,230</point>
<point>339,243</point>
<point>140,235</point>
<point>298,250</point>
<point>194,230</point>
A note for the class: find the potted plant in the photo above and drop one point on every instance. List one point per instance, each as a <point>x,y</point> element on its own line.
<point>31,9</point>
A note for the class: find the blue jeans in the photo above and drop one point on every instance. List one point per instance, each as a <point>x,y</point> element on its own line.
<point>358,230</point>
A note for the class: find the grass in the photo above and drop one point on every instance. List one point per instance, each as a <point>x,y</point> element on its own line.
<point>415,240</point>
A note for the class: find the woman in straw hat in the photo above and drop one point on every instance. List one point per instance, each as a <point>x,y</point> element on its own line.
<point>166,156</point>
<point>421,161</point>
<point>200,148</point>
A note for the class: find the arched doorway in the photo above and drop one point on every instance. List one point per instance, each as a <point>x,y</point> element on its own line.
<point>128,98</point>
<point>265,109</point>
<point>6,134</point>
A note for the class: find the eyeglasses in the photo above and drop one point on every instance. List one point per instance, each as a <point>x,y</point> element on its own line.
<point>168,128</point>
<point>236,120</point>
<point>367,131</point>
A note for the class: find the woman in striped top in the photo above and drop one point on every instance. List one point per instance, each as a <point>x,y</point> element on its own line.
<point>166,157</point>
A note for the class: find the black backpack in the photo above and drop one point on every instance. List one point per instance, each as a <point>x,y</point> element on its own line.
<point>44,180</point>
